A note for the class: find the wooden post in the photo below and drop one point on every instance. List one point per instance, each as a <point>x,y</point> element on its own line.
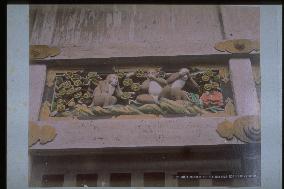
<point>69,180</point>
<point>36,172</point>
<point>243,86</point>
<point>251,164</point>
<point>137,179</point>
<point>205,182</point>
<point>103,179</point>
<point>170,180</point>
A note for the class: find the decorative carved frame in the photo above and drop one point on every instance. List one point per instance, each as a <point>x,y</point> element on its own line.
<point>181,131</point>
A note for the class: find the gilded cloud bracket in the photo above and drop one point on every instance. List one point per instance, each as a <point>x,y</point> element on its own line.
<point>41,134</point>
<point>237,46</point>
<point>43,51</point>
<point>245,128</point>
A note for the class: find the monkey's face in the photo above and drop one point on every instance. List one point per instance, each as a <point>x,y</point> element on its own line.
<point>113,80</point>
<point>152,73</point>
<point>185,77</point>
<point>184,72</point>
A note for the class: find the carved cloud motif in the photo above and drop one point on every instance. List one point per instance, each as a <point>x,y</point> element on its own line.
<point>43,51</point>
<point>43,134</point>
<point>237,46</point>
<point>246,129</point>
<point>226,130</point>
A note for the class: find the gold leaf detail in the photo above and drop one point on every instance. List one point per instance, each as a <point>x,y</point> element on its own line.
<point>43,134</point>
<point>226,130</point>
<point>220,47</point>
<point>47,134</point>
<point>223,72</point>
<point>53,51</point>
<point>38,51</point>
<point>34,132</point>
<point>237,46</point>
<point>50,78</point>
<point>247,129</point>
<point>43,51</point>
<point>45,111</point>
<point>229,107</point>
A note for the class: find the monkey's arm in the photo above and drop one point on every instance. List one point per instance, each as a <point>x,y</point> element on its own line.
<point>96,92</point>
<point>194,82</point>
<point>98,89</point>
<point>173,77</point>
<point>161,81</point>
<point>118,91</point>
<point>145,85</point>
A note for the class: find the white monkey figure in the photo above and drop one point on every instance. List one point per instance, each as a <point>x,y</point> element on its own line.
<point>103,94</point>
<point>183,77</point>
<point>153,86</point>
<point>176,82</point>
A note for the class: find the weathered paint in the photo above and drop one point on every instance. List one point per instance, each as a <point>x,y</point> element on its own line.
<point>130,31</point>
<point>244,87</point>
<point>241,22</point>
<point>94,134</point>
<point>139,30</point>
<point>37,80</point>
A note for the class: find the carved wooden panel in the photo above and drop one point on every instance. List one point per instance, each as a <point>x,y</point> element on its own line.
<point>182,90</point>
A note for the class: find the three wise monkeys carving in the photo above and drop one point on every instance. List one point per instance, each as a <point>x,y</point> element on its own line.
<point>151,90</point>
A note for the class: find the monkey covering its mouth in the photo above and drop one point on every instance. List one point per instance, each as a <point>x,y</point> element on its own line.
<point>153,86</point>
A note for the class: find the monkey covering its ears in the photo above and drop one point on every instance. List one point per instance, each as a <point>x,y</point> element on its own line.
<point>103,93</point>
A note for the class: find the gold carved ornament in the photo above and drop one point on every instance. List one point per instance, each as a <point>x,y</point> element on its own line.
<point>43,134</point>
<point>238,46</point>
<point>43,51</point>
<point>246,129</point>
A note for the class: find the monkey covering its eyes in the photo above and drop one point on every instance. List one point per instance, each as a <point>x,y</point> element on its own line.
<point>176,82</point>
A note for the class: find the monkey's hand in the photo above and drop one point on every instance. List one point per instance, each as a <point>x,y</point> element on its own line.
<point>130,74</point>
<point>194,83</point>
<point>161,81</point>
<point>151,78</point>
